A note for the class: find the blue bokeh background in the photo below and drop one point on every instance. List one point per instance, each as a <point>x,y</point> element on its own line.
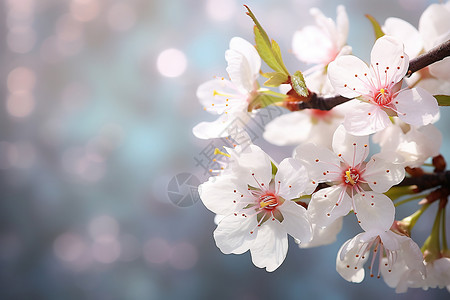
<point>92,133</point>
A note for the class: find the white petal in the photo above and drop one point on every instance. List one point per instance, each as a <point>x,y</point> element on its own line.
<point>394,277</point>
<point>412,255</point>
<point>416,106</point>
<point>295,221</point>
<point>249,51</point>
<point>326,24</point>
<point>440,69</point>
<point>224,126</point>
<point>311,45</point>
<point>218,194</point>
<point>405,32</point>
<point>291,179</point>
<point>382,175</point>
<point>232,235</point>
<point>350,267</point>
<point>353,149</point>
<point>323,209</point>
<point>341,26</point>
<point>374,211</point>
<point>270,246</point>
<point>322,164</point>
<point>389,138</point>
<point>213,95</point>
<point>391,241</point>
<point>252,165</point>
<point>434,22</point>
<point>365,119</point>
<point>341,73</point>
<point>317,81</point>
<point>431,138</point>
<point>288,129</point>
<point>392,61</point>
<point>243,60</point>
<point>433,85</point>
<point>324,235</point>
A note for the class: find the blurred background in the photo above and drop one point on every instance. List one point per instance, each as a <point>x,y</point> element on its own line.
<point>97,152</point>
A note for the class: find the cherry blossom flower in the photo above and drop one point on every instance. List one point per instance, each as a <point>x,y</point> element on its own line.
<point>378,89</point>
<point>320,45</point>
<point>388,247</point>
<point>230,98</point>
<point>356,184</point>
<point>257,208</point>
<point>413,144</point>
<point>403,277</point>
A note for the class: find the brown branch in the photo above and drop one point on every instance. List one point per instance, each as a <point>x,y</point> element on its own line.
<point>428,181</point>
<point>314,101</point>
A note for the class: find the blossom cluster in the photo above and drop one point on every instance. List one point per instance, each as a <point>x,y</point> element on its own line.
<point>331,174</point>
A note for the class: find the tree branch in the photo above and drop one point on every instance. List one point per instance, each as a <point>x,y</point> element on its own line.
<point>428,181</point>
<point>314,101</point>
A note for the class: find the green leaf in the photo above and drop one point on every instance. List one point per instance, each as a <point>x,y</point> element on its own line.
<point>274,169</point>
<point>275,79</point>
<point>262,31</point>
<point>268,50</point>
<point>376,26</point>
<point>265,51</point>
<point>265,99</point>
<point>396,192</point>
<point>277,53</point>
<point>443,100</point>
<point>298,84</point>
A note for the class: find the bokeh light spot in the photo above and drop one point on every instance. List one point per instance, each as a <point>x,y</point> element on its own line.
<point>220,10</point>
<point>157,251</point>
<point>68,247</point>
<point>184,256</point>
<point>171,62</point>
<point>21,79</point>
<point>20,104</point>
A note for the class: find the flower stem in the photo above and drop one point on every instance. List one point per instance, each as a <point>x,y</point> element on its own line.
<point>444,233</point>
<point>431,247</point>
<point>420,196</point>
<point>411,220</point>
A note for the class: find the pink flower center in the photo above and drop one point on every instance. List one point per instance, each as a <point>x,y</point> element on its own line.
<point>382,97</point>
<point>319,114</point>
<point>351,176</point>
<point>268,201</point>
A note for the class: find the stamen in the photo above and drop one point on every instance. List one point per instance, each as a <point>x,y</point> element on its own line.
<point>217,151</point>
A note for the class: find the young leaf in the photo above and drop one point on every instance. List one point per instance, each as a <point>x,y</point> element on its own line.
<point>443,100</point>
<point>268,50</point>
<point>275,79</point>
<point>376,27</point>
<point>298,84</point>
<point>265,51</point>
<point>264,100</point>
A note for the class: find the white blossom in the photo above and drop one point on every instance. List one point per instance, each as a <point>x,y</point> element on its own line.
<point>356,185</point>
<point>257,208</point>
<point>230,98</point>
<point>378,89</point>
